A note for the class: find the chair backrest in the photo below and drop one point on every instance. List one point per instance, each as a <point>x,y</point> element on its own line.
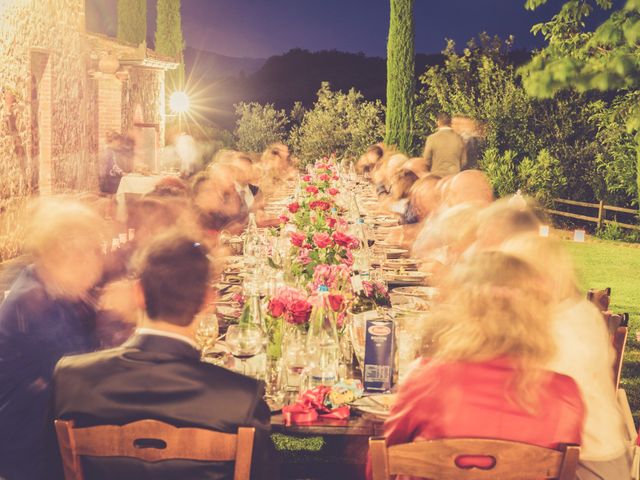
<point>600,298</point>
<point>619,344</point>
<point>153,441</point>
<point>438,459</point>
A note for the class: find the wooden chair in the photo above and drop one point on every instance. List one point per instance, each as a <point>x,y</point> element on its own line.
<point>437,459</point>
<point>153,441</point>
<point>600,298</point>
<point>632,434</point>
<point>619,344</point>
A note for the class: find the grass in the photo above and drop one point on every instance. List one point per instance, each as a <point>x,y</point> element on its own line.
<point>603,264</point>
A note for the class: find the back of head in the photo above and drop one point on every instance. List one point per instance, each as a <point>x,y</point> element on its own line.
<point>469,186</point>
<point>502,220</point>
<point>57,222</point>
<point>549,258</point>
<point>174,272</point>
<point>443,119</point>
<point>417,165</point>
<point>425,196</point>
<point>401,184</point>
<point>493,306</point>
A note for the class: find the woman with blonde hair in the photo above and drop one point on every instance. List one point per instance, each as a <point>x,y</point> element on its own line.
<point>482,375</point>
<point>583,352</point>
<point>47,314</point>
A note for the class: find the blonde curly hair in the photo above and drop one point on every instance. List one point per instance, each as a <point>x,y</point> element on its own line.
<point>494,305</point>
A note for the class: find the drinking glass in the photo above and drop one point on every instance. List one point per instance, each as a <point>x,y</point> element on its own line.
<point>294,357</point>
<point>245,341</point>
<point>207,332</point>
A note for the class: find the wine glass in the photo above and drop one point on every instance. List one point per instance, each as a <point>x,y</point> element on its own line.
<point>245,341</point>
<point>207,332</point>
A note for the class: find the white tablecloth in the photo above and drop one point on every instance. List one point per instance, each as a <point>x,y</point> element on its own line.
<point>133,184</point>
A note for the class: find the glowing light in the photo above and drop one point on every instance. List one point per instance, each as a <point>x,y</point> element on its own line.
<point>579,235</point>
<point>179,102</point>
<point>544,230</point>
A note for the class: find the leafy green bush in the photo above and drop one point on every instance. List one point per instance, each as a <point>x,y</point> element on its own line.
<point>541,178</point>
<point>501,170</point>
<point>339,122</point>
<point>258,126</point>
<point>613,231</point>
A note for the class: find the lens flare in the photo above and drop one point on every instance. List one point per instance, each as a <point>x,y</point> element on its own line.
<point>179,102</point>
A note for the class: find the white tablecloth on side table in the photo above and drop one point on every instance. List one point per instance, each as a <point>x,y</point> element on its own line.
<point>133,184</point>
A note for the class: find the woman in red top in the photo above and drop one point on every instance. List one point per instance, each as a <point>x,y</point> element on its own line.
<point>481,376</point>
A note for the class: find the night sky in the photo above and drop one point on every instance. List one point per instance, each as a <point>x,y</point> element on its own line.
<point>261,28</point>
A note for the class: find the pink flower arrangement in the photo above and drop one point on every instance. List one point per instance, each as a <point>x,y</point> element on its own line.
<point>324,177</point>
<point>297,238</point>
<point>333,276</point>
<point>345,240</point>
<point>283,219</point>
<point>319,205</point>
<point>311,189</point>
<point>322,240</point>
<point>306,178</point>
<point>291,304</point>
<point>333,191</point>
<point>294,207</point>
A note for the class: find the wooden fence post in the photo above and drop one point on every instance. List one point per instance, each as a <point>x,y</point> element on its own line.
<point>600,213</point>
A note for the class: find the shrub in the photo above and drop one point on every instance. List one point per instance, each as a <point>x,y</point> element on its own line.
<point>339,122</point>
<point>541,178</point>
<point>258,126</point>
<point>501,170</point>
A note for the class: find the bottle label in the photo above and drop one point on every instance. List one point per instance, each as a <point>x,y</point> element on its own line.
<point>379,353</point>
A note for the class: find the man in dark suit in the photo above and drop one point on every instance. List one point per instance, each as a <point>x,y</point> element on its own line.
<point>157,374</point>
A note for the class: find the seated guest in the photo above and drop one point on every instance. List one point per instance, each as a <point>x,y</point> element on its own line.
<point>502,220</point>
<point>367,162</point>
<point>584,352</point>
<point>482,374</point>
<point>424,200</point>
<point>418,166</point>
<point>216,202</point>
<point>469,186</point>
<point>276,160</point>
<point>157,373</point>
<point>399,191</point>
<point>47,314</point>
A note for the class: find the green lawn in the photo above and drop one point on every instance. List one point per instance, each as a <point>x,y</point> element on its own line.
<point>603,264</point>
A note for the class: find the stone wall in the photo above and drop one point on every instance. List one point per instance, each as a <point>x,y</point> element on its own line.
<point>40,38</point>
<point>144,90</point>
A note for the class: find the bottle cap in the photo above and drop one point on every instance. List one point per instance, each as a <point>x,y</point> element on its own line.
<point>323,288</point>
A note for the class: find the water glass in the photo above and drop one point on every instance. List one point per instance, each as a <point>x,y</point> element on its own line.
<point>245,341</point>
<point>206,332</point>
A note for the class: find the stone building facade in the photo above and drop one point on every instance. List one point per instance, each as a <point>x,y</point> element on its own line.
<point>62,89</point>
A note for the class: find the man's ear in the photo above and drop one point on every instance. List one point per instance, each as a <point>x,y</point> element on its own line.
<point>138,295</point>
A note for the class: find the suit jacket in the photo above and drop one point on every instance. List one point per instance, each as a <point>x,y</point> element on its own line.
<point>155,377</point>
<point>444,152</point>
<point>476,399</point>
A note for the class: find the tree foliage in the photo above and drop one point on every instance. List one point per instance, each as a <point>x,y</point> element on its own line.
<point>132,21</point>
<point>607,58</point>
<point>339,122</point>
<point>258,126</point>
<point>169,40</point>
<point>400,75</point>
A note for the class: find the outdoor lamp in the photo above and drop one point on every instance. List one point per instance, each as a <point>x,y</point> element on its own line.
<point>179,102</point>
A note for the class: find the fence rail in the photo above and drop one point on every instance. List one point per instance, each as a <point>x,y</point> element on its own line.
<point>601,208</point>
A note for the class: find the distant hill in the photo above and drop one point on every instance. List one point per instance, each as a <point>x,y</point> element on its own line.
<point>214,66</point>
<point>292,76</point>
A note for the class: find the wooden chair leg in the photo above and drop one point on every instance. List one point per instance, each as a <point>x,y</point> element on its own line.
<point>70,460</point>
<point>569,463</point>
<point>379,459</point>
<point>244,454</point>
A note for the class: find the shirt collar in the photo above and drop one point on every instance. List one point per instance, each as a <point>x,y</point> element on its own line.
<point>445,128</point>
<point>164,333</point>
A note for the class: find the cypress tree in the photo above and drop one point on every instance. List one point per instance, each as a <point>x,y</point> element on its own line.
<point>400,75</point>
<point>169,41</point>
<point>132,21</point>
